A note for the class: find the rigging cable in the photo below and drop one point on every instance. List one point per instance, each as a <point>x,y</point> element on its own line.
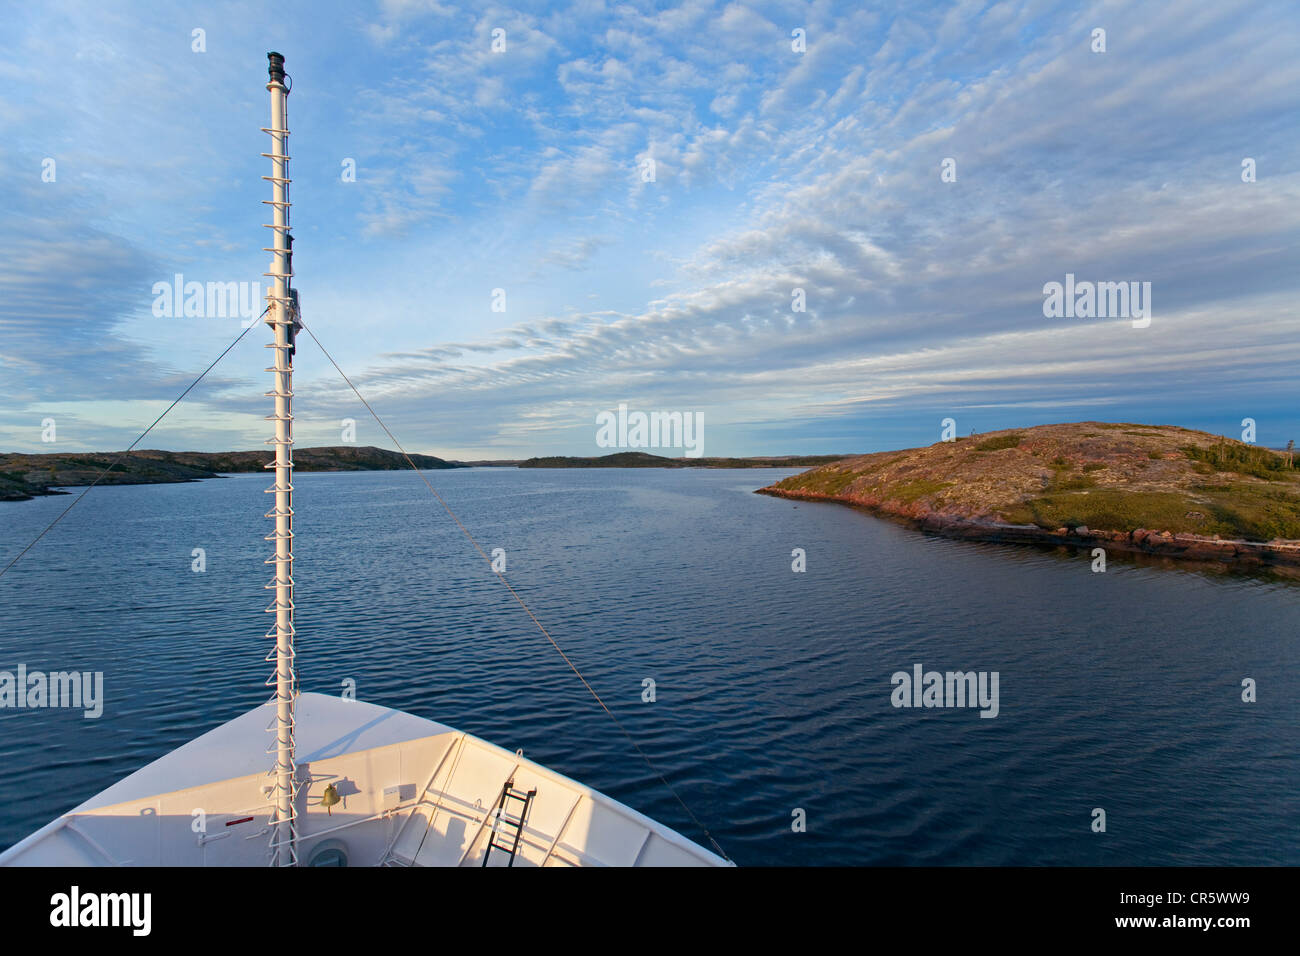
<point>527,610</point>
<point>113,464</point>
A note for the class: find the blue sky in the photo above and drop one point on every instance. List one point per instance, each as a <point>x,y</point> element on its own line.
<point>774,170</point>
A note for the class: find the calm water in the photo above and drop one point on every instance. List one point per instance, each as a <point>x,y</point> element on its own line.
<point>1118,690</point>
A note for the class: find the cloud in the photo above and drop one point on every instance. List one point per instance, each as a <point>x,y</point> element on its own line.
<point>775,171</point>
<point>576,254</point>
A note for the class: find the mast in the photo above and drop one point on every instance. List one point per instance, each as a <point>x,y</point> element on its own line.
<point>280,315</point>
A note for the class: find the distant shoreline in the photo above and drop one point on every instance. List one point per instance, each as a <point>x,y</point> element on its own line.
<point>24,477</point>
<point>639,459</point>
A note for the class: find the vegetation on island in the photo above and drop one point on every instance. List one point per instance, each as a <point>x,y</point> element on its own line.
<point>25,476</point>
<point>1096,476</point>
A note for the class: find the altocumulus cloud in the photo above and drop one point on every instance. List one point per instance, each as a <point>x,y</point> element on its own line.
<point>773,171</point>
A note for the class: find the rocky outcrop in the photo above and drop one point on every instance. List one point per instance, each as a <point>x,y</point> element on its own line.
<point>1157,490</point>
<point>25,476</point>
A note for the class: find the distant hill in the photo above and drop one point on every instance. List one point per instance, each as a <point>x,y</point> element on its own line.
<point>24,476</point>
<point>1148,488</point>
<point>640,459</point>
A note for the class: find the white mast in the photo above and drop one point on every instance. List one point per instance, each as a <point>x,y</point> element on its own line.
<point>280,316</point>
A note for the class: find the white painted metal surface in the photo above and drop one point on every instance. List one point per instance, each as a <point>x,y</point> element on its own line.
<point>280,316</point>
<point>204,803</point>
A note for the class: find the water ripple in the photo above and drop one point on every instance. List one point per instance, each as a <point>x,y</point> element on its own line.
<point>772,688</point>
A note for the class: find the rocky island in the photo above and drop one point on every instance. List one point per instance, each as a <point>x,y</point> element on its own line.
<point>640,459</point>
<point>1153,489</point>
<point>25,476</point>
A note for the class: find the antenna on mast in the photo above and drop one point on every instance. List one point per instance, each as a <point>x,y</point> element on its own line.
<point>281,315</point>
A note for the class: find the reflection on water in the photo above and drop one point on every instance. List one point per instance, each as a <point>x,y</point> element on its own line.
<point>1119,690</point>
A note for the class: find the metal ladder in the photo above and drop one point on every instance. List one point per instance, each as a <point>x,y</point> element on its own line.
<point>505,822</point>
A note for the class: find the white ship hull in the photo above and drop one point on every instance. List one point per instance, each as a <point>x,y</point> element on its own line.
<point>412,792</point>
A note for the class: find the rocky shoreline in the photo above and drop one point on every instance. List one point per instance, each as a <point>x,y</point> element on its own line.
<point>26,476</point>
<point>1180,546</point>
